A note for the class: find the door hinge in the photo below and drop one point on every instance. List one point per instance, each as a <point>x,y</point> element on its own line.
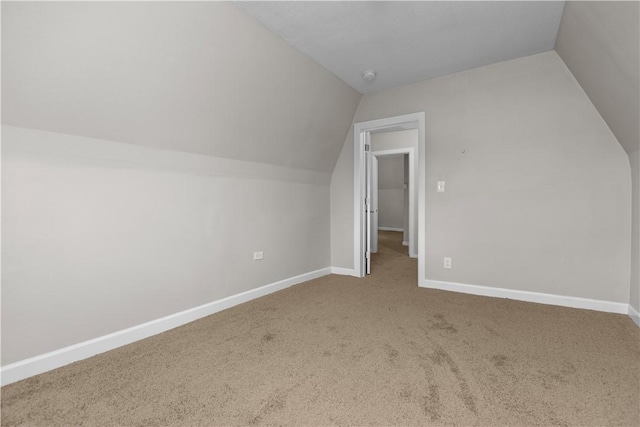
<point>367,255</point>
<point>367,148</point>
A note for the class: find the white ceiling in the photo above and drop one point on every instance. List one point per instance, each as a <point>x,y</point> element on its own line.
<point>406,42</point>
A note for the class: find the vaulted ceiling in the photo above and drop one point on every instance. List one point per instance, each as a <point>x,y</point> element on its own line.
<point>406,42</point>
<point>199,77</point>
<point>208,78</point>
<point>600,43</point>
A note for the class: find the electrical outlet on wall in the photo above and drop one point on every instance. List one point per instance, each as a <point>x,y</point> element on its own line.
<point>447,263</point>
<point>258,255</point>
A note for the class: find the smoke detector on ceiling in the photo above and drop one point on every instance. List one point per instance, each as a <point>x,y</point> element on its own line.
<point>369,75</point>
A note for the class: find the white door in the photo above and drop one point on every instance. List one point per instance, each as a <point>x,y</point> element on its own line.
<point>367,203</point>
<point>374,204</point>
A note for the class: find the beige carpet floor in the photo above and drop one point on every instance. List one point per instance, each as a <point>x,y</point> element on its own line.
<point>346,351</point>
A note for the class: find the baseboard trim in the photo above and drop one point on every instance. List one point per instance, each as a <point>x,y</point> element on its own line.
<point>405,243</point>
<point>344,271</point>
<point>537,297</point>
<point>55,359</point>
<point>390,229</point>
<point>634,315</point>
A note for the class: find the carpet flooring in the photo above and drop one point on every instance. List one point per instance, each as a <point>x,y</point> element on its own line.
<point>347,351</point>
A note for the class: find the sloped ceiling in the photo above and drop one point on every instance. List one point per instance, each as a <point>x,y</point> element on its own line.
<point>191,76</point>
<point>600,43</point>
<point>406,42</point>
<point>207,78</point>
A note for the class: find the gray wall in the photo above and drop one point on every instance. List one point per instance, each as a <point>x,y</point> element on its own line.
<point>634,295</point>
<point>540,198</point>
<point>600,43</point>
<point>148,150</point>
<point>391,191</point>
<point>99,236</point>
<point>342,214</point>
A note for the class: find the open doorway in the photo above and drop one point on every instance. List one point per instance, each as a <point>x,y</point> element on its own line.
<point>392,200</point>
<point>363,166</point>
<point>393,187</point>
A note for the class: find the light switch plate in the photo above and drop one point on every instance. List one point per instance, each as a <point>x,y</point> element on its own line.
<point>440,186</point>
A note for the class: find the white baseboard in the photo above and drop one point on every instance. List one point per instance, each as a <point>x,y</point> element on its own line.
<point>538,297</point>
<point>405,243</point>
<point>634,315</point>
<point>390,229</point>
<point>36,365</point>
<point>344,271</point>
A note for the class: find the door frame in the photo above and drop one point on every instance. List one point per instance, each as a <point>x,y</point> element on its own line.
<point>360,134</point>
<point>373,230</point>
<point>413,245</point>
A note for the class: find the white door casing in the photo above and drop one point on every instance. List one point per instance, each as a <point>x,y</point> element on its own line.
<point>361,136</point>
<point>367,203</point>
<point>373,230</point>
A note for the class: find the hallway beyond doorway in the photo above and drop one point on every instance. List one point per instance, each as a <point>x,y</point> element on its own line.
<point>392,259</point>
